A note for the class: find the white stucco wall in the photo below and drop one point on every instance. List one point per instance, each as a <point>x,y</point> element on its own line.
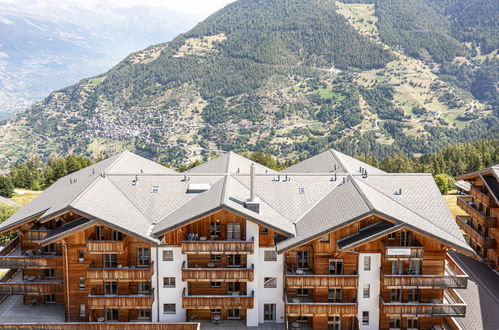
<point>271,295</point>
<point>168,295</point>
<point>371,277</point>
<point>252,231</point>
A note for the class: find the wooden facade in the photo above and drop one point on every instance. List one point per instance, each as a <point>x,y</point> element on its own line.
<point>316,270</point>
<point>481,222</point>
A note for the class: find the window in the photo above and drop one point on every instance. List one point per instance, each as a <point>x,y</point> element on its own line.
<point>302,319</point>
<point>168,282</point>
<point>397,267</point>
<point>110,260</point>
<point>145,314</point>
<point>302,292</point>
<point>325,239</point>
<point>81,259</point>
<point>234,230</point>
<point>413,294</point>
<point>233,314</point>
<point>395,323</point>
<point>116,235</point>
<point>99,233</point>
<point>264,230</point>
<point>110,287</point>
<point>155,189</point>
<point>365,318</point>
<point>270,282</point>
<point>215,257</point>
<point>49,248</point>
<point>366,291</point>
<point>233,287</point>
<point>335,295</point>
<point>83,310</point>
<point>168,255</point>
<point>143,257</point>
<point>169,309</point>
<point>367,263</point>
<point>414,266</point>
<point>336,266</point>
<point>269,312</point>
<point>301,190</point>
<point>302,259</point>
<point>216,284</point>
<point>111,314</point>
<point>215,229</point>
<point>49,273</point>
<point>233,260</point>
<point>413,323</point>
<point>144,287</point>
<point>405,238</point>
<point>270,256</point>
<point>82,283</point>
<point>215,311</point>
<point>50,299</point>
<point>334,323</point>
<point>392,236</point>
<point>395,295</point>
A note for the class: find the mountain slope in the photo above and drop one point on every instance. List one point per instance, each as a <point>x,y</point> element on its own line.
<point>286,77</point>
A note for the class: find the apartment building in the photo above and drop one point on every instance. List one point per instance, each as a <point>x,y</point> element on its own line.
<point>329,243</point>
<point>481,204</point>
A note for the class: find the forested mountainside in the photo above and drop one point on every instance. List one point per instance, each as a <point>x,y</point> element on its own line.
<point>289,78</point>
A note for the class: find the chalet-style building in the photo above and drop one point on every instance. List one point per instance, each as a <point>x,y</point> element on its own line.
<point>329,243</point>
<point>481,223</point>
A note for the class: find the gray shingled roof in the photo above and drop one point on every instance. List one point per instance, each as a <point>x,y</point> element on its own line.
<point>481,295</point>
<point>303,202</point>
<point>332,161</point>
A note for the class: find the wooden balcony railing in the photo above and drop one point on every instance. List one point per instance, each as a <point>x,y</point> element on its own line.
<point>134,301</point>
<point>11,246</point>
<point>403,252</point>
<point>222,247</point>
<point>480,196</point>
<point>124,274</point>
<point>452,306</point>
<point>299,281</point>
<point>303,307</point>
<point>105,326</point>
<point>31,288</point>
<point>465,223</point>
<point>466,204</point>
<point>218,274</point>
<point>36,235</point>
<point>217,301</point>
<point>35,262</point>
<point>105,247</point>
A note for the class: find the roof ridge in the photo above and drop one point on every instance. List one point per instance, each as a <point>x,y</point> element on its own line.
<point>224,188</point>
<point>227,165</point>
<point>333,152</point>
<point>318,201</point>
<point>364,197</point>
<point>263,199</point>
<point>120,155</point>
<point>409,209</point>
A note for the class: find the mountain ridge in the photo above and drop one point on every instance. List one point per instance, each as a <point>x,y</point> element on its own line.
<point>265,75</point>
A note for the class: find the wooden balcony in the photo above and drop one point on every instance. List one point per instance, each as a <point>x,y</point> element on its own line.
<point>106,247</point>
<point>105,326</point>
<point>403,252</point>
<point>135,301</point>
<point>454,278</point>
<point>465,223</point>
<point>217,301</point>
<point>36,235</point>
<point>304,306</point>
<point>452,306</point>
<point>123,274</point>
<point>33,262</point>
<point>219,247</point>
<point>466,204</point>
<point>31,288</point>
<point>218,274</point>
<point>299,281</point>
<point>480,196</point>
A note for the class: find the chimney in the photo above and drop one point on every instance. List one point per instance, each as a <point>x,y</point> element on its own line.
<point>253,203</point>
